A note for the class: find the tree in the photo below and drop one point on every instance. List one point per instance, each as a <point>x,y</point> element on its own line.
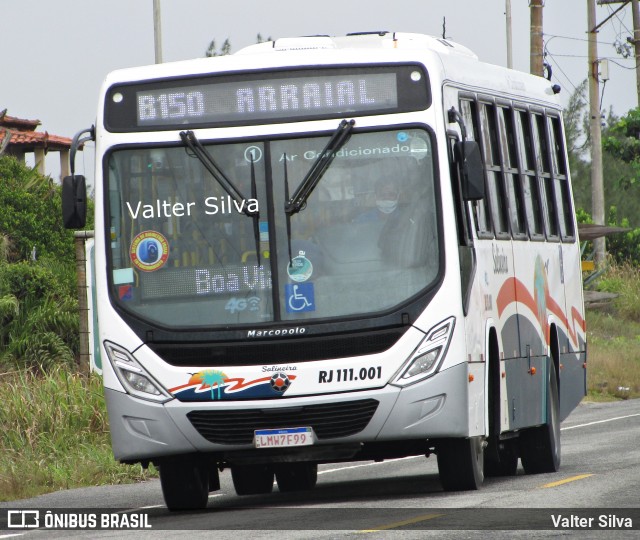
<point>619,175</point>
<point>226,46</point>
<point>30,214</point>
<point>576,131</point>
<point>623,143</point>
<point>38,303</point>
<point>213,51</point>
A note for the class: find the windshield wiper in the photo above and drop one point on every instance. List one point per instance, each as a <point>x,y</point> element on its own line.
<point>199,151</point>
<point>191,141</point>
<point>339,138</point>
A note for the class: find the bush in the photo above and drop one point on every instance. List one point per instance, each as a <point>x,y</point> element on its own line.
<point>622,247</point>
<point>623,280</point>
<point>38,298</point>
<point>38,317</point>
<point>31,213</point>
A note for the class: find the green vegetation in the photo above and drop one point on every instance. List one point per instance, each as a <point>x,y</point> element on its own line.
<point>38,291</point>
<point>613,336</point>
<point>55,434</point>
<point>54,425</point>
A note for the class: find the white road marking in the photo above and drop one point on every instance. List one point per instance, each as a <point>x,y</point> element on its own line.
<point>599,422</point>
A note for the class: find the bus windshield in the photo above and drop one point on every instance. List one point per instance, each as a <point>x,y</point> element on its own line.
<point>185,253</point>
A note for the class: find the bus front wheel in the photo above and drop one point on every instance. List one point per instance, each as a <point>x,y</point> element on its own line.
<point>185,484</point>
<point>461,463</point>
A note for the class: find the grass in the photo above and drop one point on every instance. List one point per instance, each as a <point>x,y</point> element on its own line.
<point>55,435</point>
<point>613,338</point>
<point>613,357</point>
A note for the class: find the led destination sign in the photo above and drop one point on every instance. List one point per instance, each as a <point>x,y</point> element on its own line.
<point>200,282</point>
<point>266,97</point>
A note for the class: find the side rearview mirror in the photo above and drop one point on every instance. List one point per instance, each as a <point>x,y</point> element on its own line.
<point>74,201</point>
<point>469,158</point>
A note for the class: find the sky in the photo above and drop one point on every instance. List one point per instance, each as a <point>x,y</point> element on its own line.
<point>56,53</point>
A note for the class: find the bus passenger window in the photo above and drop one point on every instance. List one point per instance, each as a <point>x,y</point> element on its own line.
<point>530,189</point>
<point>495,184</point>
<point>510,160</point>
<point>541,144</point>
<point>469,112</point>
<point>561,182</point>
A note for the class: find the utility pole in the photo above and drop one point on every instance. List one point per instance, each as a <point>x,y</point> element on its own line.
<point>157,31</point>
<point>635,10</point>
<point>84,360</point>
<point>536,58</point>
<point>507,12</point>
<point>597,183</point>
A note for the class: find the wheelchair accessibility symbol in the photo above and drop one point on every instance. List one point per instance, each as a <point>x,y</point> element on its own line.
<point>300,297</point>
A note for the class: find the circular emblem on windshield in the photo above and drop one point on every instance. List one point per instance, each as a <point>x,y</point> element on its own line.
<point>149,251</point>
<point>300,268</point>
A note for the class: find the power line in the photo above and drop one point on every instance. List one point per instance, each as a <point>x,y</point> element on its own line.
<point>619,19</point>
<point>557,65</point>
<point>619,64</point>
<point>577,39</point>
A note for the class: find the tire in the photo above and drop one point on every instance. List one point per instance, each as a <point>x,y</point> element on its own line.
<point>252,479</point>
<point>500,457</point>
<point>296,476</point>
<point>185,484</point>
<point>540,446</point>
<point>461,463</point>
<point>506,463</point>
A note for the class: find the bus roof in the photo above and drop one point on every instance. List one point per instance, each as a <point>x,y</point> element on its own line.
<point>362,40</point>
<point>457,64</point>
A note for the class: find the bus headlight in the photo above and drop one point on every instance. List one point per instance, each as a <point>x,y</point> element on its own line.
<point>133,376</point>
<point>427,357</point>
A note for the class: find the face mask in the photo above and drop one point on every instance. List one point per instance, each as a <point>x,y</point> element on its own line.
<point>386,207</point>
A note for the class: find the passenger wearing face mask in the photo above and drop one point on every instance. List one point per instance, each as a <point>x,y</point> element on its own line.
<point>387,198</point>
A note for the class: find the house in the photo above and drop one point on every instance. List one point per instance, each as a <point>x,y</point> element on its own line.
<point>18,137</point>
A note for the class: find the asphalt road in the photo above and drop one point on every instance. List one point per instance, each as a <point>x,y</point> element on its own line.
<point>599,478</point>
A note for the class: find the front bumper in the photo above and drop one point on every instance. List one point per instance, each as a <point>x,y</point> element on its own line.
<point>434,408</point>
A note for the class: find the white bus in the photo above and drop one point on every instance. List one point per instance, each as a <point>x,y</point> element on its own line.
<point>332,249</point>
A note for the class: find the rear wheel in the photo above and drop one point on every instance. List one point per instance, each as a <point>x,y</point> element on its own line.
<point>252,479</point>
<point>504,462</point>
<point>461,463</point>
<point>185,483</point>
<point>296,476</point>
<point>540,446</point>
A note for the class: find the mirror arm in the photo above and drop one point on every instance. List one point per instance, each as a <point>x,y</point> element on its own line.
<point>454,116</point>
<point>77,141</point>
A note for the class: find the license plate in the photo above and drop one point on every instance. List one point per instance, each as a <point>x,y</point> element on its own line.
<point>280,438</point>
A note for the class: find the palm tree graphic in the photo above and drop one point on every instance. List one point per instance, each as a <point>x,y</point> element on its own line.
<point>211,377</point>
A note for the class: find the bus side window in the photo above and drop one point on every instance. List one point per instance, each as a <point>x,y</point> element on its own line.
<point>560,178</point>
<point>541,146</point>
<point>469,112</point>
<point>530,187</point>
<point>510,162</point>
<point>495,184</point>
